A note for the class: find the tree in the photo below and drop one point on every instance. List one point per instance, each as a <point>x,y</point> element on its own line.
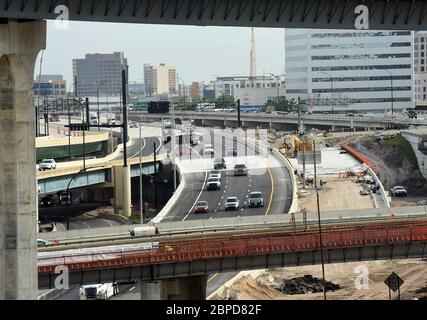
<point>283,104</point>
<point>225,101</point>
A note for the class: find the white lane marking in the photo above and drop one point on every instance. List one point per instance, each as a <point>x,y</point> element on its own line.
<point>198,197</point>
<point>131,288</point>
<point>138,152</point>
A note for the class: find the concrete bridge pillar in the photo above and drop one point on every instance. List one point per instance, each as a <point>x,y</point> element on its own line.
<point>155,290</point>
<point>122,190</point>
<point>19,45</point>
<point>187,288</point>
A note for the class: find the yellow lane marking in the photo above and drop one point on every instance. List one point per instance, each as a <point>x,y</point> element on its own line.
<point>212,277</point>
<point>272,192</point>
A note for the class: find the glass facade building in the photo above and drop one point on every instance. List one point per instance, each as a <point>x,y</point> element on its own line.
<point>350,70</point>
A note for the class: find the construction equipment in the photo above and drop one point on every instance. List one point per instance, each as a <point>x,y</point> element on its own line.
<point>292,144</point>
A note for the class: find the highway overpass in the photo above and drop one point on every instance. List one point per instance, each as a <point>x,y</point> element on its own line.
<point>333,122</point>
<point>332,14</point>
<point>186,252</point>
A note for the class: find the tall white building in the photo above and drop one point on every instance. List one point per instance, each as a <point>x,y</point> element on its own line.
<point>420,66</point>
<point>164,79</point>
<point>350,69</point>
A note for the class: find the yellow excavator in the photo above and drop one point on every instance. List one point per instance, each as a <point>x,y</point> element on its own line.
<point>292,144</point>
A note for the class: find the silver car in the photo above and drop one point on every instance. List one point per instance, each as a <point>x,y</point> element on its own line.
<point>256,199</point>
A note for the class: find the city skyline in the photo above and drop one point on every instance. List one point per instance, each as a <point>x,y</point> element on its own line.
<point>227,50</point>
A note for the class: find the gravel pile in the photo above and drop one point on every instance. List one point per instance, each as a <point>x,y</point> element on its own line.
<point>306,284</point>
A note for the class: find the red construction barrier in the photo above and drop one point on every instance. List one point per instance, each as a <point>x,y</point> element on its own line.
<point>360,157</point>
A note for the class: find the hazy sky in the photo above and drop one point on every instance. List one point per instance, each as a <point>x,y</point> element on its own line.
<point>197,52</point>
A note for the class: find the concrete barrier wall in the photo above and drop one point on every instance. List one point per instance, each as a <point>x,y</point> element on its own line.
<point>383,193</point>
<point>166,209</point>
<point>288,165</point>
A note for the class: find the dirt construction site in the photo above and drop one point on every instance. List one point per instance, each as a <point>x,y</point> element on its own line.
<point>339,191</point>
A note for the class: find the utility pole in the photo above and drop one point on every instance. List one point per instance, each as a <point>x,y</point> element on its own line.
<point>141,210</point>
<point>155,176</point>
<point>85,124</point>
<point>239,123</point>
<point>69,131</point>
<point>126,169</point>
<point>318,217</point>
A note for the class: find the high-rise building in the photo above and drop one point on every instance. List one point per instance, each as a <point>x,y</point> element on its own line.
<point>195,91</point>
<point>164,79</point>
<point>100,73</point>
<point>420,66</point>
<point>209,90</point>
<point>50,85</point>
<point>350,69</point>
<point>148,79</point>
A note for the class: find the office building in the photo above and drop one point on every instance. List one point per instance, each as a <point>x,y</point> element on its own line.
<point>229,85</point>
<point>100,74</point>
<point>164,79</point>
<point>345,70</point>
<point>50,85</point>
<point>148,79</point>
<point>195,91</point>
<point>208,90</point>
<point>420,66</point>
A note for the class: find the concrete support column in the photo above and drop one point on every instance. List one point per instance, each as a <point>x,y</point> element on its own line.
<point>187,288</point>
<point>122,190</point>
<point>19,46</point>
<point>153,290</point>
<point>126,192</point>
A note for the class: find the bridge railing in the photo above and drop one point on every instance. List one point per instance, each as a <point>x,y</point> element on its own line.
<point>193,249</point>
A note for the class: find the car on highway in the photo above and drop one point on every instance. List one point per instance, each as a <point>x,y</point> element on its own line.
<point>132,125</point>
<point>215,173</point>
<point>219,164</point>
<point>399,191</point>
<point>201,207</point>
<point>47,201</point>
<point>232,203</point>
<point>213,184</point>
<point>65,198</point>
<point>46,164</point>
<point>256,199</point>
<point>43,243</point>
<point>240,170</point>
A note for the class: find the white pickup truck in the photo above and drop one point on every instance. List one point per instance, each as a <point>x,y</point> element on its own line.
<point>213,183</point>
<point>100,291</point>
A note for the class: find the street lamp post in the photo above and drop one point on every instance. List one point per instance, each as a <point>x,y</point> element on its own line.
<point>332,88</point>
<point>318,218</point>
<point>141,210</point>
<point>391,89</point>
<point>68,194</point>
